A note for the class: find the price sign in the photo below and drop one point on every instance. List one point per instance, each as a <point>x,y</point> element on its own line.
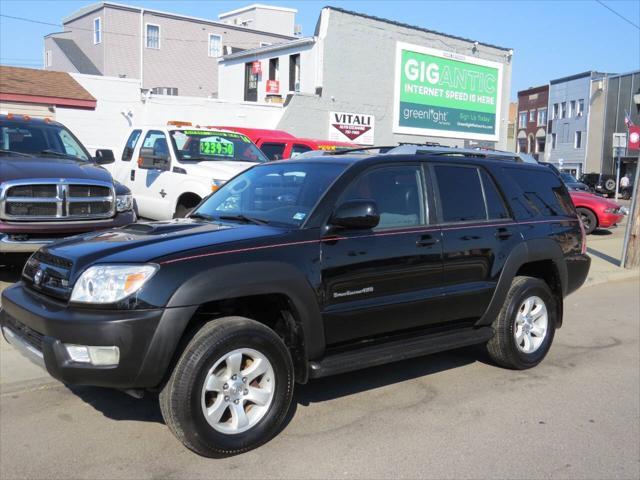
<point>217,146</point>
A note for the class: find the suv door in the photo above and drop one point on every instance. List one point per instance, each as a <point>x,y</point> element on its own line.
<point>478,233</point>
<point>152,186</point>
<point>386,279</point>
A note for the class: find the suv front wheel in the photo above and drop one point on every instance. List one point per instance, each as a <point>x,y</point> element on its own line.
<point>526,325</point>
<point>231,388</point>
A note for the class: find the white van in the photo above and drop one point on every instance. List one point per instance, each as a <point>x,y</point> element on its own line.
<point>170,168</point>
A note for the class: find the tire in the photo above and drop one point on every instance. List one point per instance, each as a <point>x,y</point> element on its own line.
<point>610,184</point>
<point>185,396</point>
<point>588,218</point>
<point>504,348</point>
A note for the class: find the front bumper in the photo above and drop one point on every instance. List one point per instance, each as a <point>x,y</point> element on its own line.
<point>23,237</point>
<point>39,327</point>
<point>606,220</point>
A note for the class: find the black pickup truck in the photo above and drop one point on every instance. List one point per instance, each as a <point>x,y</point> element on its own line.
<point>300,269</point>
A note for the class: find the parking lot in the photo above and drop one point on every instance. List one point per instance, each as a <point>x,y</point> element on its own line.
<point>449,415</point>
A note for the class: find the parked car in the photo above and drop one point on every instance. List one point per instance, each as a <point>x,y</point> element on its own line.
<point>171,168</point>
<point>600,183</point>
<point>51,187</point>
<point>302,269</point>
<point>595,211</point>
<point>279,145</point>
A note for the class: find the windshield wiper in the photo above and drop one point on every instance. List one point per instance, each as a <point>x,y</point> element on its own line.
<point>13,152</point>
<point>58,154</point>
<point>202,216</point>
<point>244,218</point>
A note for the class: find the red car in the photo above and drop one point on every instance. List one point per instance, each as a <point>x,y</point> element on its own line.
<point>595,211</point>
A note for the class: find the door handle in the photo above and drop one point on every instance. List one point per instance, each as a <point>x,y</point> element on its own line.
<point>427,241</point>
<point>503,233</point>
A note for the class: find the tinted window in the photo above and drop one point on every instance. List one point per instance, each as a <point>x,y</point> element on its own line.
<point>127,153</point>
<point>396,190</point>
<point>297,149</point>
<point>273,151</point>
<point>460,193</point>
<point>543,191</point>
<point>35,138</point>
<point>495,203</point>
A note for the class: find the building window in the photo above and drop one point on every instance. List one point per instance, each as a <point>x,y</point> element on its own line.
<point>542,116</point>
<point>572,108</point>
<point>215,45</point>
<point>97,31</point>
<point>522,120</point>
<point>577,143</point>
<point>164,91</point>
<point>563,110</point>
<point>274,69</point>
<point>553,140</point>
<point>47,58</point>
<point>250,83</point>
<point>294,72</point>
<point>532,116</point>
<point>554,113</point>
<point>540,145</point>
<point>580,110</point>
<point>153,36</point>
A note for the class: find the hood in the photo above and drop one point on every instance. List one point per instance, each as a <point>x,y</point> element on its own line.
<point>145,242</point>
<point>218,169</point>
<point>21,168</point>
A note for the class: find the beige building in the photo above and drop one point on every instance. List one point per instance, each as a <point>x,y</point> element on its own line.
<point>171,54</point>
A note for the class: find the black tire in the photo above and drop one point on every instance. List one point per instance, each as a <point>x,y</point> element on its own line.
<point>610,185</point>
<point>502,348</point>
<point>180,399</point>
<point>589,220</point>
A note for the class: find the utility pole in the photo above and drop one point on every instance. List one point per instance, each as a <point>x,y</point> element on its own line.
<point>631,245</point>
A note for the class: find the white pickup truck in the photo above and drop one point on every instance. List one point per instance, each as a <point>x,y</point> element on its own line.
<point>170,168</point>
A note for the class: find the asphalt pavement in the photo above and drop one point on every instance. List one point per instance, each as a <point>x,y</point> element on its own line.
<point>450,415</point>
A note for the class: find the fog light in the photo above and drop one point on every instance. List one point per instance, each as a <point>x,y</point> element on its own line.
<point>102,356</point>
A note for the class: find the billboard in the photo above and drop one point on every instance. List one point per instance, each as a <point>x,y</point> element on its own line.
<point>352,127</point>
<point>446,94</point>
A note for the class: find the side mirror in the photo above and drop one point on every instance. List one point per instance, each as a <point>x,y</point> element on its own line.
<point>356,214</point>
<point>104,157</point>
<point>148,160</point>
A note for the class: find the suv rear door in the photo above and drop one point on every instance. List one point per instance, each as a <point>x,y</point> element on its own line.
<point>386,279</point>
<point>478,233</point>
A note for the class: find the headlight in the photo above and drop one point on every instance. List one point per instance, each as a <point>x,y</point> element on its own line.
<point>124,203</point>
<point>111,283</point>
<point>216,184</point>
<point>611,210</point>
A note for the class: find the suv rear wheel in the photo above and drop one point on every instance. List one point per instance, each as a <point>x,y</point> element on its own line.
<point>231,388</point>
<point>526,325</point>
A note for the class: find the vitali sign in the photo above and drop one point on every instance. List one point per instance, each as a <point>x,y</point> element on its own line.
<point>446,94</point>
<point>351,127</point>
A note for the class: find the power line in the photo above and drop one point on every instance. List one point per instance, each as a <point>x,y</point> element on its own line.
<point>618,14</point>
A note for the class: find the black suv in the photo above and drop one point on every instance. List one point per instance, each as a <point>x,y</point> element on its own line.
<point>300,269</point>
<point>600,183</point>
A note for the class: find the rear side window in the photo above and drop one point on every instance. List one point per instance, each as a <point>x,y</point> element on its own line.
<point>127,153</point>
<point>273,151</point>
<point>461,196</point>
<point>496,208</point>
<point>543,191</point>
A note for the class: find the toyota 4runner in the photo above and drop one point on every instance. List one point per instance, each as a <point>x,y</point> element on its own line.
<point>301,269</point>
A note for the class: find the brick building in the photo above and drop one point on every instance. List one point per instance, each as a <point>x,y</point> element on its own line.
<point>532,121</point>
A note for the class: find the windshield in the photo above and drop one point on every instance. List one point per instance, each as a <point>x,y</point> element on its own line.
<point>199,145</point>
<point>40,139</point>
<point>568,178</point>
<point>278,193</point>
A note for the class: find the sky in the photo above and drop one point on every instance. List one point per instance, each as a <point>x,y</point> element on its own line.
<point>550,38</point>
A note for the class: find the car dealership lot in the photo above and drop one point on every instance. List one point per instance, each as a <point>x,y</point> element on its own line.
<point>448,415</point>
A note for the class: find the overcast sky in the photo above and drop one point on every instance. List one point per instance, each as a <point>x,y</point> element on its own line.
<point>551,39</point>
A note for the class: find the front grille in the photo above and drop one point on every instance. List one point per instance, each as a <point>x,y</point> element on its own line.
<point>66,200</point>
<point>48,274</point>
<point>27,334</point>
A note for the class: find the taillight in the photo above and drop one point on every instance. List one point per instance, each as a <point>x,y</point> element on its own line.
<point>583,233</point>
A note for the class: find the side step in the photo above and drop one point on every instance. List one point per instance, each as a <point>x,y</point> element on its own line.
<point>397,350</point>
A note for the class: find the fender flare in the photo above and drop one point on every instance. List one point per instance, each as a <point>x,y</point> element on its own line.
<point>528,251</point>
<point>260,278</point>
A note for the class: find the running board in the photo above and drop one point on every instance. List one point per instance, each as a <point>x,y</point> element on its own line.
<point>398,350</point>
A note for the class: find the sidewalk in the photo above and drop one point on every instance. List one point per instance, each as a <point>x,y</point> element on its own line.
<point>605,249</point>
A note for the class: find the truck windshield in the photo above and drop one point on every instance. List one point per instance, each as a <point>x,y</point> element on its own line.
<point>40,139</point>
<point>278,193</point>
<point>199,145</point>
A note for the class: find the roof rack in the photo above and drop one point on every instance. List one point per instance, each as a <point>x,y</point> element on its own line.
<point>430,149</point>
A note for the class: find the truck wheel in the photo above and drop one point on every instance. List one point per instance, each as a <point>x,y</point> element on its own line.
<point>231,388</point>
<point>526,325</point>
<point>588,218</point>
